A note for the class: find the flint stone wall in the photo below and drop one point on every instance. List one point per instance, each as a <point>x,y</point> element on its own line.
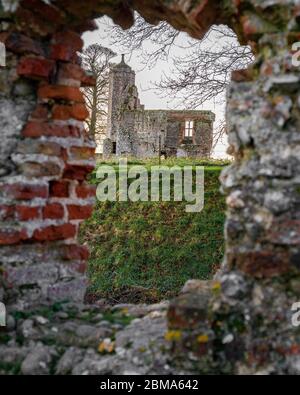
<point>241,323</point>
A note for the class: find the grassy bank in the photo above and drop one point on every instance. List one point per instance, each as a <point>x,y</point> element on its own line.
<point>146,251</point>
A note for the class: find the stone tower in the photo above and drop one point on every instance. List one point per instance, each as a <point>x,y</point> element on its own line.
<point>122,96</point>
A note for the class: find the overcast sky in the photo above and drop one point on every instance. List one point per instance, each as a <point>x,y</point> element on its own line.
<point>145,76</point>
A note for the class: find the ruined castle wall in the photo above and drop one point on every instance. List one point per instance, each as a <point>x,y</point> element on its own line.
<point>126,139</point>
<point>140,130</point>
<point>45,158</point>
<point>242,322</point>
<point>122,96</point>
<point>139,133</point>
<point>201,144</point>
<point>204,137</point>
<point>151,130</point>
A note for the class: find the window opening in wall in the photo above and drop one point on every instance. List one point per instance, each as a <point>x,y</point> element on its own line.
<point>189,129</point>
<point>172,128</point>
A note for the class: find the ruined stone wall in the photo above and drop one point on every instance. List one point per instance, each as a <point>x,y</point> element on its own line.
<point>45,158</point>
<point>122,96</point>
<point>139,132</point>
<point>142,128</point>
<point>241,323</point>
<point>201,144</point>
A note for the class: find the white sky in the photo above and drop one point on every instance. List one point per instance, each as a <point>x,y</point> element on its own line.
<point>146,76</point>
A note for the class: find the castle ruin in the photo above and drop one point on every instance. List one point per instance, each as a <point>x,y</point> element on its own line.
<point>134,131</point>
<point>241,323</point>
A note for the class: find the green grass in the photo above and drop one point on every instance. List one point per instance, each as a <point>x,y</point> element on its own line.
<point>146,251</point>
<point>218,163</point>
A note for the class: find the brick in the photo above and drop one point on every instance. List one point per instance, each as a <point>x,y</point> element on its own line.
<point>82,153</point>
<point>20,191</point>
<point>64,112</point>
<point>12,236</point>
<point>65,46</point>
<point>87,25</point>
<point>79,212</point>
<point>37,147</point>
<point>38,129</point>
<point>53,211</point>
<point>70,71</point>
<point>262,263</point>
<point>43,169</point>
<point>41,113</point>
<point>85,190</point>
<point>21,44</point>
<point>88,80</point>
<point>61,92</point>
<point>73,75</point>
<point>75,252</point>
<point>7,212</point>
<point>35,67</point>
<point>32,23</point>
<point>75,172</point>
<point>59,189</point>
<point>52,233</point>
<point>242,75</point>
<point>63,52</point>
<point>46,11</point>
<point>27,213</point>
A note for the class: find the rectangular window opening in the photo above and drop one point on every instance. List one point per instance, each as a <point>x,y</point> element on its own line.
<point>189,129</point>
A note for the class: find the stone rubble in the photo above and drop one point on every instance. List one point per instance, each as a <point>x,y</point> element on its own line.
<point>69,340</point>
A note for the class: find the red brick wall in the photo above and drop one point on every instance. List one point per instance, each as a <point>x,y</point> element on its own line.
<point>46,196</point>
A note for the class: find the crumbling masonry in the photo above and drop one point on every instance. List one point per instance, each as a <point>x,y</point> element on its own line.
<point>134,131</point>
<point>242,321</point>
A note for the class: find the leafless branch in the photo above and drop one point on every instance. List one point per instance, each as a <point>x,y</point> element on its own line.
<point>200,75</point>
<point>96,59</point>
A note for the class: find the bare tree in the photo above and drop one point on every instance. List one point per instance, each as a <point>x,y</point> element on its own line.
<point>96,60</point>
<point>220,131</point>
<point>204,72</point>
<point>200,75</point>
<point>162,36</point>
